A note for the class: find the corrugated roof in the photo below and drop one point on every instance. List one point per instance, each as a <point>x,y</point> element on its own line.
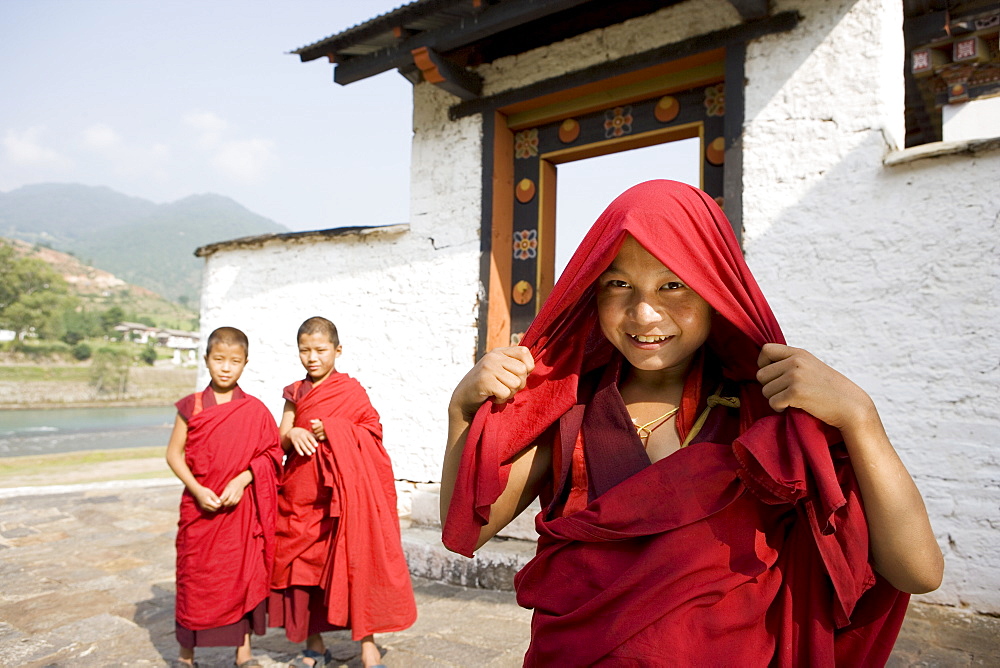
<point>377,33</point>
<point>464,33</point>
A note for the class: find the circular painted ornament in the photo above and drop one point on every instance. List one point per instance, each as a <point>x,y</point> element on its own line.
<point>667,109</point>
<point>522,292</point>
<point>715,152</point>
<point>569,130</point>
<point>525,191</point>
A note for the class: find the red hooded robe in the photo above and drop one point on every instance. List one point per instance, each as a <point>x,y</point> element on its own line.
<point>750,551</point>
<point>224,558</point>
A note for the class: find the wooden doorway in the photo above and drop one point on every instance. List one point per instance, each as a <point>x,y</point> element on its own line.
<point>682,101</point>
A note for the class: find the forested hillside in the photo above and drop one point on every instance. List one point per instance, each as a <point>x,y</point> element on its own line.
<point>143,243</point>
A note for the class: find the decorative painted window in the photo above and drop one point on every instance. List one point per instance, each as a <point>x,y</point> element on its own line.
<point>952,70</point>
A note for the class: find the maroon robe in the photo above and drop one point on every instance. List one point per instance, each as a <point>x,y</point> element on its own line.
<point>224,558</point>
<point>356,563</point>
<point>750,550</point>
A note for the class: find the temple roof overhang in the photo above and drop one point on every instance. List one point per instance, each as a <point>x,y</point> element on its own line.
<point>441,40</point>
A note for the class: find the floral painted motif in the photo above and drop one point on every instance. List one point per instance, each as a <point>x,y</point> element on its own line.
<point>526,143</point>
<point>525,244</point>
<point>617,122</point>
<point>715,100</point>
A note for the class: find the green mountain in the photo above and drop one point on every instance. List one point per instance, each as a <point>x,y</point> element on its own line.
<point>143,243</point>
<point>98,290</point>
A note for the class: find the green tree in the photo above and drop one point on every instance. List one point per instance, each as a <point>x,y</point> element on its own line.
<point>80,325</point>
<point>33,296</point>
<point>148,354</point>
<point>109,372</point>
<point>113,316</point>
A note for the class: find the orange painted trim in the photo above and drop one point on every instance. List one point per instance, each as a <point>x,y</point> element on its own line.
<point>547,187</point>
<point>698,59</point>
<point>422,59</point>
<point>547,182</point>
<point>501,236</point>
<point>626,143</point>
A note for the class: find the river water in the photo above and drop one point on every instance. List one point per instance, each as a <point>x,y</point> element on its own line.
<point>39,432</point>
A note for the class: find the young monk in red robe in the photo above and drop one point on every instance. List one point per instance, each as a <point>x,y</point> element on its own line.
<point>701,482</point>
<point>224,448</point>
<point>340,561</point>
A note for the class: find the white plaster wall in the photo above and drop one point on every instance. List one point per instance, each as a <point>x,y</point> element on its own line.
<point>403,313</point>
<point>668,25</point>
<point>891,274</point>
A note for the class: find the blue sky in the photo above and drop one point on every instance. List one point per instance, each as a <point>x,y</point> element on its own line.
<point>162,99</point>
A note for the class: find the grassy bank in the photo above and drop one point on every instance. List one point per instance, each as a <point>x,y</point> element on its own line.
<point>83,467</point>
<point>63,385</point>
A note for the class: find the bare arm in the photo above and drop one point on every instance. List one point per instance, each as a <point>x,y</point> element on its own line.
<point>205,497</point>
<point>499,375</point>
<point>302,440</point>
<point>902,541</point>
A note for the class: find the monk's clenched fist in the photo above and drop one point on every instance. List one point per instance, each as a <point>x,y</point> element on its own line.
<point>499,375</point>
<point>793,377</point>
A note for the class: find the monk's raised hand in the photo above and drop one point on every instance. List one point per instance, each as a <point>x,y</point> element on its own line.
<point>499,375</point>
<point>792,377</point>
<point>317,429</point>
<point>207,499</point>
<point>303,441</point>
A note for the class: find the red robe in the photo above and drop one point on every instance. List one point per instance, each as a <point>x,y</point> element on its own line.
<point>360,567</point>
<point>224,558</point>
<point>749,551</point>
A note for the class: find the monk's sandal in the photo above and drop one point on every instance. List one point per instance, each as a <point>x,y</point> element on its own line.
<point>319,660</point>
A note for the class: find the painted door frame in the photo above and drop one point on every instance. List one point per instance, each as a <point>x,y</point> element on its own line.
<point>523,288</point>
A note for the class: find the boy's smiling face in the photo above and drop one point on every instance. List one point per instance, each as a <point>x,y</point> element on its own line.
<point>318,355</point>
<point>652,317</point>
<point>225,362</point>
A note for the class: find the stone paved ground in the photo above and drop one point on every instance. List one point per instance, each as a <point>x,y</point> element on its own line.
<point>86,579</point>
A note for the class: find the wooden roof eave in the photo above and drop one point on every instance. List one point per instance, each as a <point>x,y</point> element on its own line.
<point>433,40</point>
<point>489,21</point>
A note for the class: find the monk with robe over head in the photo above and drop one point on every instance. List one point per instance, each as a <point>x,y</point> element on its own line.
<point>225,449</point>
<point>339,560</point>
<point>710,495</point>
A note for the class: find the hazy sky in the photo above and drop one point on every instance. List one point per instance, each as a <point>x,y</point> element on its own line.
<point>162,99</point>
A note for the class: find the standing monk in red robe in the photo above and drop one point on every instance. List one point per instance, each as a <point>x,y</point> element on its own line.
<point>701,482</point>
<point>339,560</point>
<point>224,448</point>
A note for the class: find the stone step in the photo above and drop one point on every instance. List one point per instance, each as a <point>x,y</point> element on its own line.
<point>493,567</point>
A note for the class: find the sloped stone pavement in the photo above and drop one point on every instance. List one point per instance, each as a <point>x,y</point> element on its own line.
<point>87,579</point>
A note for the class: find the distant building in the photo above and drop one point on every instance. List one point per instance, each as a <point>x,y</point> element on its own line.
<point>184,344</point>
<point>136,331</point>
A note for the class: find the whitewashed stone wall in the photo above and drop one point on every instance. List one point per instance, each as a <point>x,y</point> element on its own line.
<point>891,274</point>
<point>402,309</point>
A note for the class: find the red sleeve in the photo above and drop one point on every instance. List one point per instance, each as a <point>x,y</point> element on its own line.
<point>296,390</point>
<point>185,407</point>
